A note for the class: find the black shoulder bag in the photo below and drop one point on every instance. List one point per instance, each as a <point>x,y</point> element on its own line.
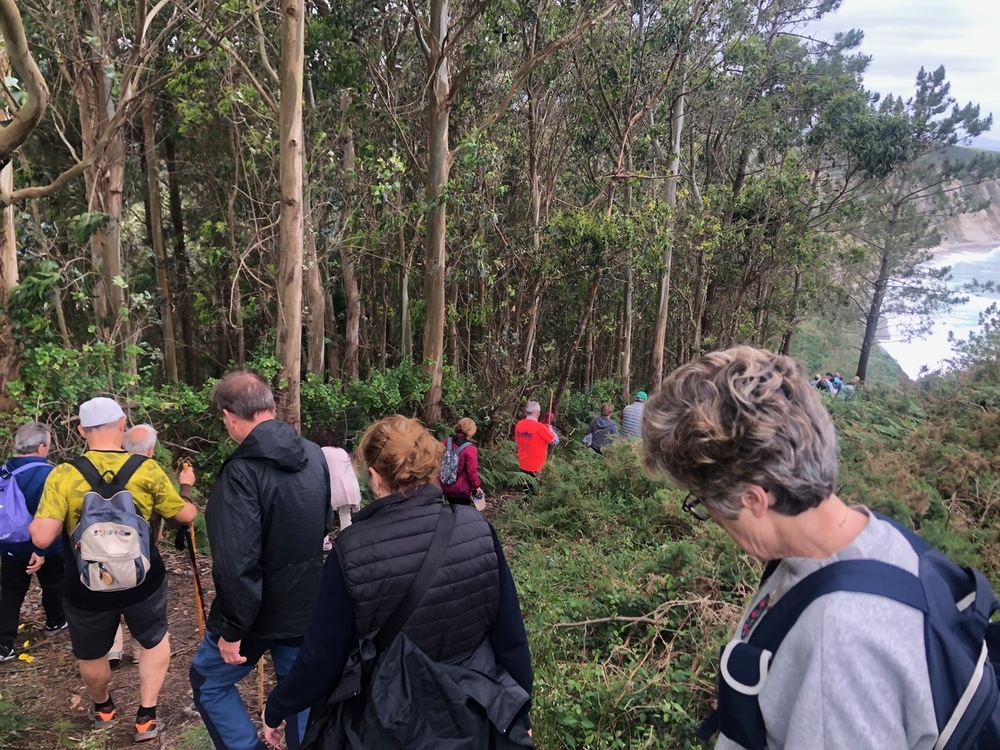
<point>353,684</point>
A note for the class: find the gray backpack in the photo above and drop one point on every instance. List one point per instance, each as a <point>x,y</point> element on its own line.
<point>449,464</point>
<point>111,541</point>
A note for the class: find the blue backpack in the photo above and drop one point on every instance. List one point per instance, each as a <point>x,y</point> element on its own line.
<point>14,515</point>
<point>962,645</point>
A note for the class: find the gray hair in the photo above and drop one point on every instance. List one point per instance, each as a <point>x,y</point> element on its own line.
<point>140,439</point>
<point>30,437</point>
<point>244,393</point>
<point>532,407</point>
<point>737,418</point>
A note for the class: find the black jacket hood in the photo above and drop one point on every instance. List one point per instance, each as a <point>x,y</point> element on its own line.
<point>276,443</point>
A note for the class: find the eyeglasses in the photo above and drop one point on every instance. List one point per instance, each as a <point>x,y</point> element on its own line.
<point>696,507</point>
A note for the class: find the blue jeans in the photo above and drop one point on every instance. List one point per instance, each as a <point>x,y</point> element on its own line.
<point>219,702</point>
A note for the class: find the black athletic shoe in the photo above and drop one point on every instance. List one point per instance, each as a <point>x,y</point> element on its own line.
<point>7,653</point>
<point>50,629</point>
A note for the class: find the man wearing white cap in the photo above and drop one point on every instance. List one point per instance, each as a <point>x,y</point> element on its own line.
<point>93,615</point>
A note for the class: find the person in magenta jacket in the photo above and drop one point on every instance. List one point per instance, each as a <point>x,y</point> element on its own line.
<point>466,482</point>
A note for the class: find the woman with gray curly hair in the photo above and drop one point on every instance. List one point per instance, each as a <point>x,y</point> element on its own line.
<point>743,432</point>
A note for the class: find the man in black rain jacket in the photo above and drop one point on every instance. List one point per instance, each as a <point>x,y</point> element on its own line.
<point>267,515</point>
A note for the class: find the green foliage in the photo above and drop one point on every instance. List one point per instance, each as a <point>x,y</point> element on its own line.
<point>13,721</point>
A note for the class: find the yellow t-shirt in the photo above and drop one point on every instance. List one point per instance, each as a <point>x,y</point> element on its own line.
<point>62,498</point>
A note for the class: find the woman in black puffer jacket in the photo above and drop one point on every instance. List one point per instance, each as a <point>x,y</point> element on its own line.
<point>468,621</point>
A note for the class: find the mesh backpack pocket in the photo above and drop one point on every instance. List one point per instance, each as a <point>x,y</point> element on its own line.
<point>111,541</point>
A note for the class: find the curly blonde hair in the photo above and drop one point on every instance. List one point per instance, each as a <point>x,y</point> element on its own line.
<point>466,426</point>
<point>402,451</point>
<point>739,417</point>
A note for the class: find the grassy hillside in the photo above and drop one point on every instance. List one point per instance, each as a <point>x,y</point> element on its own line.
<point>628,600</point>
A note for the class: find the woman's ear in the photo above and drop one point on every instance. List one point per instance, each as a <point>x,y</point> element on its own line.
<point>756,500</point>
<point>378,485</point>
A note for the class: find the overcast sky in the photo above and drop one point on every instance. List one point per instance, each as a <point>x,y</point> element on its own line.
<point>902,35</point>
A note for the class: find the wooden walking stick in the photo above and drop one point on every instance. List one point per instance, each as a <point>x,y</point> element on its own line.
<point>552,395</point>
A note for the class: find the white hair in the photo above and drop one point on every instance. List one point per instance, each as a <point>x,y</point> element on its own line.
<point>532,407</point>
<point>140,439</point>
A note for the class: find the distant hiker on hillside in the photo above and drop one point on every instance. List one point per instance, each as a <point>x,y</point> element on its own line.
<point>532,438</point>
<point>745,435</point>
<point>459,477</point>
<point>848,390</point>
<point>104,584</point>
<point>602,429</point>
<point>22,479</point>
<point>632,417</point>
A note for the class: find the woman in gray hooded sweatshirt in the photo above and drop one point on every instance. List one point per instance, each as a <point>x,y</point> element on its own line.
<point>602,428</point>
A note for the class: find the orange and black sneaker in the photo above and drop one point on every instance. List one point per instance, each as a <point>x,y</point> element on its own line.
<point>105,717</point>
<point>146,728</point>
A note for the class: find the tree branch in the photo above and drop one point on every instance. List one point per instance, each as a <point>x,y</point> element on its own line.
<point>26,119</point>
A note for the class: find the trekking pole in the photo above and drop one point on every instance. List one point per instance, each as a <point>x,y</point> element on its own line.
<point>199,600</point>
<point>552,395</point>
<point>260,685</point>
<point>186,536</point>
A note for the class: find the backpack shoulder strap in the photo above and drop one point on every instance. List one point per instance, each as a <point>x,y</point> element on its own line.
<point>447,446</point>
<point>128,468</point>
<point>435,553</point>
<point>861,576</point>
<point>86,467</point>
<point>5,469</point>
<point>463,446</point>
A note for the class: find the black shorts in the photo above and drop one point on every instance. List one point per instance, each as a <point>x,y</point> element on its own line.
<point>92,632</point>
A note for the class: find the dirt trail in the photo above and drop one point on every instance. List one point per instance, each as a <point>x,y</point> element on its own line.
<point>51,695</point>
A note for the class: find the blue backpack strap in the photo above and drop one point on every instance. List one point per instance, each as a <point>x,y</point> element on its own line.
<point>738,715</point>
<point>447,446</point>
<point>860,576</point>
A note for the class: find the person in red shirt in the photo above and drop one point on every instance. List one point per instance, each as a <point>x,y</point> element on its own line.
<point>532,438</point>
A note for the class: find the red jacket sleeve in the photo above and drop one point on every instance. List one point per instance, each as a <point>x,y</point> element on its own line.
<point>471,455</point>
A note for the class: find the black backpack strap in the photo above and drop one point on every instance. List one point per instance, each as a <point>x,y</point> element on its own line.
<point>128,468</point>
<point>95,478</point>
<point>86,467</point>
<point>435,553</point>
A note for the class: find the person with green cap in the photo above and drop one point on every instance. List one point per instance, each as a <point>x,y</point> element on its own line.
<point>632,417</point>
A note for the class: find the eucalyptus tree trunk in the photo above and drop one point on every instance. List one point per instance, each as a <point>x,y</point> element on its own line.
<point>10,353</point>
<point>181,262</point>
<point>352,334</point>
<point>290,222</point>
<point>315,300</point>
<point>439,164</point>
<point>663,290</point>
<point>581,329</point>
<point>156,238</point>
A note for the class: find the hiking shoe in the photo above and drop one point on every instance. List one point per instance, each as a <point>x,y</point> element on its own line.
<point>7,653</point>
<point>50,629</point>
<point>103,719</point>
<point>146,729</point>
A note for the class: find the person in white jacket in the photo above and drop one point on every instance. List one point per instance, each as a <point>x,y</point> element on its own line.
<point>345,491</point>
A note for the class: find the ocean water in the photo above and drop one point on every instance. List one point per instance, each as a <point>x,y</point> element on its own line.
<point>934,349</point>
